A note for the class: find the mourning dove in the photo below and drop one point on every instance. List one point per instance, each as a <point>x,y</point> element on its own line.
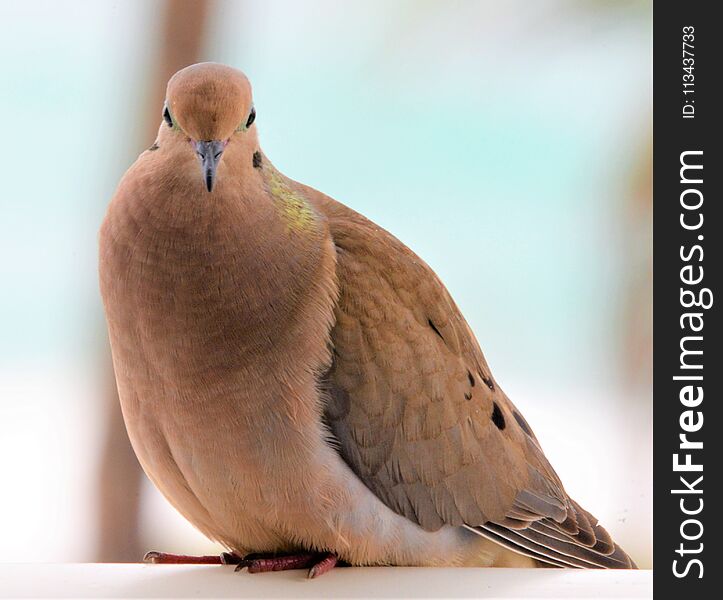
<point>297,382</point>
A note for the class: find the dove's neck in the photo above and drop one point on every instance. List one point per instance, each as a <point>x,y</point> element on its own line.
<point>243,259</point>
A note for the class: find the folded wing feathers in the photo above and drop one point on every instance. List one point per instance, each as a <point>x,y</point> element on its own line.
<point>543,548</point>
<point>541,505</point>
<point>503,541</point>
<point>574,539</point>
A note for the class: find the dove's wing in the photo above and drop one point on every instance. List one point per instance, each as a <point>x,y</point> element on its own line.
<point>420,419</point>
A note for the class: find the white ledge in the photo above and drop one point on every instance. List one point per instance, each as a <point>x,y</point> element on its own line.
<point>196,581</point>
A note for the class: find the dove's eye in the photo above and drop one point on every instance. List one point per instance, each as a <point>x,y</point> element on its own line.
<point>252,117</point>
<point>167,116</point>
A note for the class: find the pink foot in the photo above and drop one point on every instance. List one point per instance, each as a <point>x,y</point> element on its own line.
<point>258,563</point>
<point>318,564</point>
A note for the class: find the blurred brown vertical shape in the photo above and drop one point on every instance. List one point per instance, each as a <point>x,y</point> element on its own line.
<point>119,480</point>
<point>638,312</point>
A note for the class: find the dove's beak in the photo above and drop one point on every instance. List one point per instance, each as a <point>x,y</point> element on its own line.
<point>210,154</point>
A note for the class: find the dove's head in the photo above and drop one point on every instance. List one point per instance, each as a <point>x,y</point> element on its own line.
<point>210,105</point>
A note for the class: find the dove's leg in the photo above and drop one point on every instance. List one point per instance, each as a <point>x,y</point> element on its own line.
<point>164,558</point>
<point>318,564</point>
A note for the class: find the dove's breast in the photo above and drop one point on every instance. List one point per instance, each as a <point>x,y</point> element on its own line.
<point>218,324</point>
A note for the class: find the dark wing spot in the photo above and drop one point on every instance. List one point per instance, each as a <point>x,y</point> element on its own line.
<point>488,381</point>
<point>154,147</point>
<point>433,326</point>
<point>471,378</point>
<point>468,395</point>
<point>497,417</point>
<point>257,160</point>
<point>521,422</point>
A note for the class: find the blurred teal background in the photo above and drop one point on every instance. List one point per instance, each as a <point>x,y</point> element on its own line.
<point>507,143</point>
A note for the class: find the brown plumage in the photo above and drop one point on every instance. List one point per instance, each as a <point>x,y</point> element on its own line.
<point>294,378</point>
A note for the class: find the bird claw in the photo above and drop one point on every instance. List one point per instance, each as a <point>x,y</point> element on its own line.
<point>318,564</point>
<point>326,564</point>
